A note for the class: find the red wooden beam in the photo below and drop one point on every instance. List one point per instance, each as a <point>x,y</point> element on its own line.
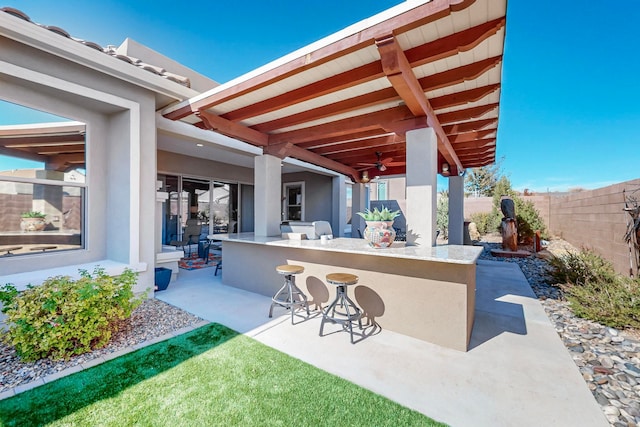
<point>462,98</point>
<point>469,126</point>
<point>343,127</point>
<point>469,136</point>
<point>234,130</point>
<point>399,72</point>
<point>358,145</point>
<point>356,136</point>
<point>466,114</point>
<point>290,150</point>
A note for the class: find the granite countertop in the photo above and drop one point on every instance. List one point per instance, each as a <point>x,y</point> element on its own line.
<point>457,254</point>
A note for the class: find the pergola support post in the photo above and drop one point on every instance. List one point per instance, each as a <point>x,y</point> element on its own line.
<point>456,210</point>
<point>422,164</point>
<point>267,195</point>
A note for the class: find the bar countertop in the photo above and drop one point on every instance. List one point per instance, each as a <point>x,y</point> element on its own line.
<point>457,254</point>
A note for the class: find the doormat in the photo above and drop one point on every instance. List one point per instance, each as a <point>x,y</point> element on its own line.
<point>194,263</point>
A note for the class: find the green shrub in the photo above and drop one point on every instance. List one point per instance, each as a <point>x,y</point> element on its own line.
<point>529,220</point>
<point>485,222</point>
<point>65,317</point>
<point>442,215</point>
<point>578,268</point>
<point>615,303</point>
<point>595,291</point>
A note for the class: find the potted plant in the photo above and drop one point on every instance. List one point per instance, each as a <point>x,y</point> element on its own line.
<point>379,232</point>
<point>33,221</point>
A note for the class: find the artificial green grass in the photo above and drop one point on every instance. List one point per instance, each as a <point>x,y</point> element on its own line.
<point>208,377</point>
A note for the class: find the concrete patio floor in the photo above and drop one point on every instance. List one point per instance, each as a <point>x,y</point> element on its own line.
<point>517,372</point>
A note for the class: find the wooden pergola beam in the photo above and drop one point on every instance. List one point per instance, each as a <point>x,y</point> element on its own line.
<point>474,145</point>
<point>469,126</point>
<point>400,74</point>
<point>356,136</point>
<point>291,150</point>
<point>344,127</point>
<point>466,114</point>
<point>462,98</point>
<point>234,130</point>
<point>358,145</point>
<point>475,135</point>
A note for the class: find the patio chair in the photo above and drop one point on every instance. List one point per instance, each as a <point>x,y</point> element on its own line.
<point>190,236</point>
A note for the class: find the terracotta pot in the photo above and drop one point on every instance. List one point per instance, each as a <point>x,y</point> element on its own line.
<point>379,234</point>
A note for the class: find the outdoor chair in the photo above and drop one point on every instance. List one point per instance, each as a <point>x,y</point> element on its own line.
<point>190,236</point>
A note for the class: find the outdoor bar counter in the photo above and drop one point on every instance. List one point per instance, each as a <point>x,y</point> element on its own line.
<point>424,292</point>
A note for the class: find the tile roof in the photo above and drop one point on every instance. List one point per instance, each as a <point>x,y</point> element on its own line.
<point>109,50</point>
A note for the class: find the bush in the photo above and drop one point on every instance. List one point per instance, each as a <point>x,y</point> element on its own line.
<point>581,267</point>
<point>442,215</point>
<point>485,222</point>
<point>65,317</point>
<point>529,220</point>
<point>595,291</point>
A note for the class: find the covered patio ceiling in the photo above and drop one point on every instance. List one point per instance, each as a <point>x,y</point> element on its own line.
<point>60,146</point>
<point>347,101</point>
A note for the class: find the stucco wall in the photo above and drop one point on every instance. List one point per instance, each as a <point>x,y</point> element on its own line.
<point>179,164</point>
<point>595,219</point>
<point>121,158</point>
<point>318,191</point>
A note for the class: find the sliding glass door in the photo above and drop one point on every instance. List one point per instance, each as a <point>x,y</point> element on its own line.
<point>212,204</point>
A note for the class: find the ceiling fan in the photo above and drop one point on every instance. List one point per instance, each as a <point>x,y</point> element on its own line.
<point>381,164</point>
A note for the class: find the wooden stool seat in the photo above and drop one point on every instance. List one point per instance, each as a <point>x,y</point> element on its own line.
<point>342,310</point>
<point>289,295</point>
<point>290,269</point>
<point>342,279</point>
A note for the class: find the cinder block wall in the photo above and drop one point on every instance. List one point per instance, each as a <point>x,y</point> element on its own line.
<point>594,219</point>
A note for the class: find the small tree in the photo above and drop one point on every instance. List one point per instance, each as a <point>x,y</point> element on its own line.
<point>442,216</point>
<point>481,182</point>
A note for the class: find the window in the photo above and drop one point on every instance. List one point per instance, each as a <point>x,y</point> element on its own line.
<point>42,182</point>
<point>382,190</point>
<point>293,209</point>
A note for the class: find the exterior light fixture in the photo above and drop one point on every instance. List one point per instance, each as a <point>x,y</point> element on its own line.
<point>200,145</point>
<point>445,169</point>
<point>365,177</point>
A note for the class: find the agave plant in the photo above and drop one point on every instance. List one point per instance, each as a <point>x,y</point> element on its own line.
<point>379,215</point>
<point>33,214</point>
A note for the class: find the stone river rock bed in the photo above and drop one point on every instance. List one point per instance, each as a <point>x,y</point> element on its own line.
<point>608,358</point>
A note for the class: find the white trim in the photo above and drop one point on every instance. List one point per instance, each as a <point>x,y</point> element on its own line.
<point>187,130</point>
<point>24,180</point>
<point>134,131</point>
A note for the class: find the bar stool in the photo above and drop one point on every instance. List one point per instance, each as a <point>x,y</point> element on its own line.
<point>289,295</point>
<point>350,312</point>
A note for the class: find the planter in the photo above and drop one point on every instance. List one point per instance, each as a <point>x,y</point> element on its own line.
<point>163,277</point>
<point>379,234</point>
<point>33,224</point>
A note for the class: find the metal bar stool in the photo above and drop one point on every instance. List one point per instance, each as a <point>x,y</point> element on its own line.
<point>348,312</point>
<point>289,295</point>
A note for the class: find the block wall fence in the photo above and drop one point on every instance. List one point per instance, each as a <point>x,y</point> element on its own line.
<point>591,219</point>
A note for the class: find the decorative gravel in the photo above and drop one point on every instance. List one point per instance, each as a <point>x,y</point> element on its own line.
<point>152,319</point>
<point>608,358</point>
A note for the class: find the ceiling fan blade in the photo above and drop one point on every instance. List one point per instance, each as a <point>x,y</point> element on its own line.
<point>387,160</point>
<point>367,164</point>
<point>396,164</point>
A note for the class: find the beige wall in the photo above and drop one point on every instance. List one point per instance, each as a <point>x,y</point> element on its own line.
<point>595,219</point>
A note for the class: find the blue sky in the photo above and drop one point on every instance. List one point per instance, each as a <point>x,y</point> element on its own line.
<point>569,103</point>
